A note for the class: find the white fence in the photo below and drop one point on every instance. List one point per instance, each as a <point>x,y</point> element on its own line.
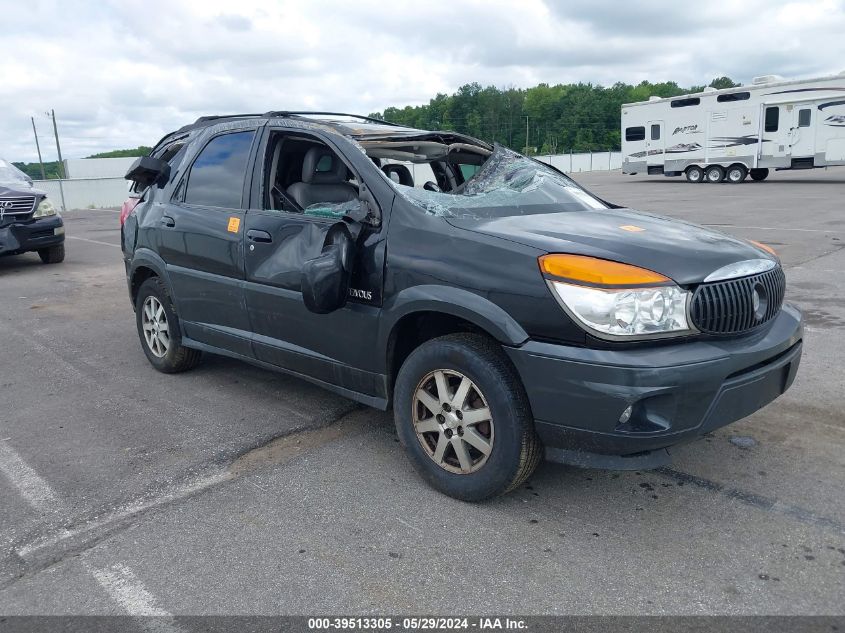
<point>109,191</point>
<point>85,193</point>
<point>97,167</point>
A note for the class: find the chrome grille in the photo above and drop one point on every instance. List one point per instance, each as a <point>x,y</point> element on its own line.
<point>17,205</point>
<point>728,307</point>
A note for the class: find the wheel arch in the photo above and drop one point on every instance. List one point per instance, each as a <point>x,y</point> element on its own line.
<point>425,312</point>
<point>146,264</point>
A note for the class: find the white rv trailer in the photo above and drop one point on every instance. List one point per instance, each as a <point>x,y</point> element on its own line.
<point>727,134</point>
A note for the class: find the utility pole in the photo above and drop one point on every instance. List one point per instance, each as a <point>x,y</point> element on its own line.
<point>62,173</point>
<point>38,147</point>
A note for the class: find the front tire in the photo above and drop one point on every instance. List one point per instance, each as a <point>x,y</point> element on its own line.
<point>714,174</point>
<point>52,254</point>
<point>159,331</point>
<point>695,173</point>
<point>463,417</point>
<point>759,173</point>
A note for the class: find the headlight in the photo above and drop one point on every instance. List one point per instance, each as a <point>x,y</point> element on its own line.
<point>649,304</point>
<point>45,209</point>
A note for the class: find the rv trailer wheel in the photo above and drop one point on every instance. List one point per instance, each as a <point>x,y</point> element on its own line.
<point>736,173</point>
<point>714,174</point>
<point>695,173</point>
<point>759,174</point>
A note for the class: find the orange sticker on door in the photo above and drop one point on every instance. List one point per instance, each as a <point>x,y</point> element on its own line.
<point>234,225</point>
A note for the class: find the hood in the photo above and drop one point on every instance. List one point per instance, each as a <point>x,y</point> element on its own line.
<point>682,251</point>
<point>20,189</point>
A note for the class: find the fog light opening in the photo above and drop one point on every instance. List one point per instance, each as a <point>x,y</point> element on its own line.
<point>626,414</point>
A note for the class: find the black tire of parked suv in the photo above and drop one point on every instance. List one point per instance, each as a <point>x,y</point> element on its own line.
<point>516,450</point>
<point>714,174</point>
<point>695,173</point>
<point>736,174</point>
<point>53,254</point>
<point>759,173</point>
<point>177,357</point>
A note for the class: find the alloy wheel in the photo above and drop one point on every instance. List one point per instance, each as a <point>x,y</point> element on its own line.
<point>154,325</point>
<point>452,421</point>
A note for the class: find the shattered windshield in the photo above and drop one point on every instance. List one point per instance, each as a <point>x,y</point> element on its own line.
<point>11,176</point>
<point>507,184</point>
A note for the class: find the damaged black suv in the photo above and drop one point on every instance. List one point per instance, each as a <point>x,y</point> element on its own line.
<point>504,312</point>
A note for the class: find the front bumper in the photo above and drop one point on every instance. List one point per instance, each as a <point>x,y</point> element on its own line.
<point>31,235</point>
<point>677,392</point>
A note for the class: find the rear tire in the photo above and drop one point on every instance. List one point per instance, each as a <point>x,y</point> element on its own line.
<point>159,331</point>
<point>53,254</point>
<point>463,417</point>
<point>759,173</point>
<point>736,174</point>
<point>695,173</point>
<point>714,174</point>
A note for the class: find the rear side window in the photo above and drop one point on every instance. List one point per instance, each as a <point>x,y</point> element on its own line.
<point>635,133</point>
<point>217,175</point>
<point>734,96</point>
<point>804,118</point>
<point>683,103</point>
<point>771,121</point>
<point>655,131</point>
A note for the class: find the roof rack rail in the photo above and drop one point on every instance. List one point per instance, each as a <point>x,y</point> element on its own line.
<point>214,117</point>
<point>285,113</point>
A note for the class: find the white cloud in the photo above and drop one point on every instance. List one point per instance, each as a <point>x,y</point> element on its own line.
<point>120,74</point>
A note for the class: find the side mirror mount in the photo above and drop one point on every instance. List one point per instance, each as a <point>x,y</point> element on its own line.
<point>147,171</point>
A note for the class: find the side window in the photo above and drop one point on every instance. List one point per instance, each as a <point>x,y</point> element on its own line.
<point>771,121</point>
<point>217,175</point>
<point>468,171</point>
<point>734,96</point>
<point>684,103</point>
<point>804,117</point>
<point>635,133</point>
<point>655,132</point>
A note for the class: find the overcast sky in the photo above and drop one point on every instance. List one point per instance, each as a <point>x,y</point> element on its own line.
<point>121,74</point>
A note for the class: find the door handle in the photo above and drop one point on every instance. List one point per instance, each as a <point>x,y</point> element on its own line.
<point>254,235</point>
<point>167,221</point>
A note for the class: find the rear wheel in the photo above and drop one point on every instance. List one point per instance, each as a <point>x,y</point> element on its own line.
<point>53,254</point>
<point>759,173</point>
<point>158,329</point>
<point>714,174</point>
<point>463,417</point>
<point>695,173</point>
<point>736,174</point>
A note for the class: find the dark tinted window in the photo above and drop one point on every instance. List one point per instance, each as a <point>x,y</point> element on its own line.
<point>635,134</point>
<point>217,175</point>
<point>804,118</point>
<point>772,115</point>
<point>734,96</point>
<point>655,131</point>
<point>683,103</point>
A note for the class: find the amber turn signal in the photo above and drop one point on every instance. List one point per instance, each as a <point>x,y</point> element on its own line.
<point>593,270</point>
<point>765,247</point>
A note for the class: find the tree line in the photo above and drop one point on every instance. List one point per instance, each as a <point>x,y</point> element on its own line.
<point>544,119</point>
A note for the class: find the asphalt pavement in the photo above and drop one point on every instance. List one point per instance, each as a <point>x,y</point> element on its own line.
<point>234,490</point>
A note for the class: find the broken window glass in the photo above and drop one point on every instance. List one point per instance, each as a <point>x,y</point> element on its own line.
<point>506,184</point>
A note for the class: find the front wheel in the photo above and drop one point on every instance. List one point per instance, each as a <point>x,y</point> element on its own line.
<point>53,254</point>
<point>463,417</point>
<point>159,331</point>
<point>759,173</point>
<point>695,173</point>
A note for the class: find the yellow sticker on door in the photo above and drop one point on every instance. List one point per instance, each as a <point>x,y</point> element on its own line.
<point>234,225</point>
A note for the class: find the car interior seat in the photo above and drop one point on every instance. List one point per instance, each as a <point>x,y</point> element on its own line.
<point>399,173</point>
<point>323,179</point>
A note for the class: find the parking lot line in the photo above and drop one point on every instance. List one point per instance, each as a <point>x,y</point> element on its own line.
<point>125,589</point>
<point>31,487</point>
<point>85,239</point>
